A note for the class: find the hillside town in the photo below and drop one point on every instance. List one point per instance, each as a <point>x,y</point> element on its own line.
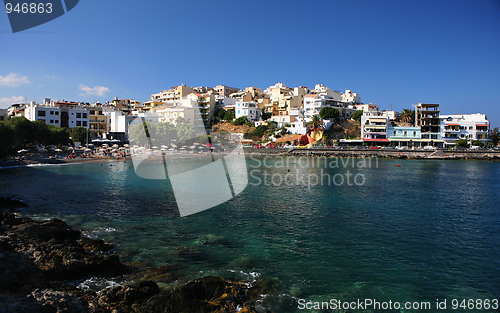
<point>290,109</point>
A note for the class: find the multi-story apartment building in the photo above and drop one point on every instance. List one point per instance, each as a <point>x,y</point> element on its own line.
<point>49,114</point>
<point>248,109</point>
<point>464,126</point>
<point>374,127</point>
<point>97,121</point>
<point>226,91</point>
<point>351,97</point>
<point>16,110</point>
<point>427,118</point>
<point>172,94</point>
<point>125,105</point>
<point>313,104</point>
<point>205,103</point>
<point>404,136</point>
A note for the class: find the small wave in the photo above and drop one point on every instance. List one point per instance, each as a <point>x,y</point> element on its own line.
<point>97,283</point>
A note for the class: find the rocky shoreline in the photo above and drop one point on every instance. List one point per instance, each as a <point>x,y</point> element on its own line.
<point>38,259</point>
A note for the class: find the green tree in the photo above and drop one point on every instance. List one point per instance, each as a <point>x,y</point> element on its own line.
<point>357,115</point>
<point>315,123</point>
<point>185,131</point>
<point>265,116</point>
<point>329,113</point>
<point>494,136</point>
<point>477,143</point>
<point>60,136</point>
<point>139,133</point>
<point>462,143</point>
<point>78,134</point>
<point>25,131</point>
<point>229,115</point>
<point>8,139</point>
<point>240,120</point>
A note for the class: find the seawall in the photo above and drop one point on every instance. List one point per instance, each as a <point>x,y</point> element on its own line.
<point>367,153</point>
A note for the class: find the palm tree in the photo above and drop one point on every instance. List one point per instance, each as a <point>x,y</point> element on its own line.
<point>315,123</point>
<point>407,116</point>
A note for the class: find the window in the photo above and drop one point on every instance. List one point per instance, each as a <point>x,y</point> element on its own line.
<point>84,115</point>
<point>78,115</point>
<point>78,123</point>
<point>56,121</point>
<point>100,112</point>
<point>51,113</point>
<point>41,113</point>
<point>84,123</point>
<point>51,121</point>
<point>57,112</point>
<point>414,134</point>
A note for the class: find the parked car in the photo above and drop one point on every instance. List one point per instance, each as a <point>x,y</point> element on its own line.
<point>374,147</point>
<point>301,146</point>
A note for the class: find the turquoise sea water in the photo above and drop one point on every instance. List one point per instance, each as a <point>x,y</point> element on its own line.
<point>423,231</point>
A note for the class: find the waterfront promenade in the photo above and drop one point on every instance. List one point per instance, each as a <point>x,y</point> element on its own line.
<point>381,153</point>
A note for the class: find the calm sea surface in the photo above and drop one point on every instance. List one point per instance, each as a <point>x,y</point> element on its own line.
<point>421,231</point>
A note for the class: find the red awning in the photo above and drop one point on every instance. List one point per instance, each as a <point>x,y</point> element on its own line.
<point>453,124</point>
<point>481,125</point>
<point>377,140</point>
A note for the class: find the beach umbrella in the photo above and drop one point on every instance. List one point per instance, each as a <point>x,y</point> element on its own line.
<point>154,147</point>
<point>115,146</point>
<point>192,147</point>
<point>96,140</point>
<point>41,150</point>
<point>22,151</point>
<point>57,150</point>
<point>126,145</point>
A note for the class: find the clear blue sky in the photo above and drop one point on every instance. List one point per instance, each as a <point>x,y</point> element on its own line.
<point>390,52</point>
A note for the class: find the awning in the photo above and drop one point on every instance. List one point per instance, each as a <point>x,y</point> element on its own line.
<point>452,124</point>
<point>375,126</point>
<point>376,140</point>
<point>481,125</point>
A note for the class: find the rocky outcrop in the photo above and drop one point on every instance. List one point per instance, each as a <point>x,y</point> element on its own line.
<point>208,294</point>
<point>37,257</point>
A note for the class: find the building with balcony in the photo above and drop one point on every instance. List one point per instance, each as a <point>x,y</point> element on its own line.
<point>464,126</point>
<point>248,109</point>
<point>351,97</point>
<point>222,90</point>
<point>97,122</point>
<point>404,136</point>
<point>49,113</point>
<point>313,104</point>
<point>374,127</point>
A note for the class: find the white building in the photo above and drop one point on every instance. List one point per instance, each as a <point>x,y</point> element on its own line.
<point>49,114</point>
<point>352,97</point>
<point>320,89</point>
<point>464,126</point>
<point>314,103</point>
<point>374,127</point>
<point>78,116</point>
<point>248,109</point>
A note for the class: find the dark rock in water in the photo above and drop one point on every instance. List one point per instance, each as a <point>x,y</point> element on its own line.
<point>33,253</point>
<point>8,203</point>
<point>94,245</point>
<point>124,296</point>
<point>209,294</point>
